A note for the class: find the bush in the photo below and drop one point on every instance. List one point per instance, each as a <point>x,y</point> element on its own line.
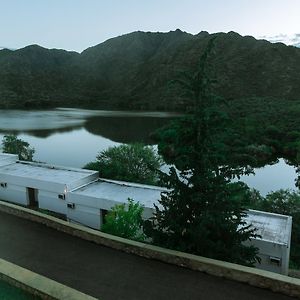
<point>133,162</point>
<point>125,221</point>
<point>93,165</point>
<point>11,144</point>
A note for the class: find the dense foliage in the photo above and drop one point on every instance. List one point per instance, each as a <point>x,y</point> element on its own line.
<point>132,162</point>
<point>284,202</point>
<point>12,144</point>
<point>272,124</point>
<point>203,213</point>
<point>125,221</point>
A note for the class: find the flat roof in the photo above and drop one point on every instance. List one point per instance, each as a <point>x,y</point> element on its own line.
<point>272,227</point>
<point>45,172</point>
<point>6,158</point>
<point>8,155</point>
<point>120,191</point>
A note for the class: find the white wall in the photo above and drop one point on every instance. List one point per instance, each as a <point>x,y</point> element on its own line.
<point>87,210</point>
<point>14,193</point>
<point>51,201</point>
<point>85,215</point>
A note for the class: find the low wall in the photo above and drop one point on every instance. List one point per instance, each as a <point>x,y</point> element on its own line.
<point>36,284</point>
<point>259,278</point>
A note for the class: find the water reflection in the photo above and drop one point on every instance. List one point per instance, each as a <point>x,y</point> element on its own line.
<point>23,121</point>
<point>122,127</point>
<point>75,148</point>
<point>125,129</point>
<point>43,133</point>
<point>272,178</point>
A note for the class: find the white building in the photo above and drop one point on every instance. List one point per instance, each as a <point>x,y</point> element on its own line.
<point>39,185</point>
<point>275,242</point>
<point>85,199</point>
<point>89,204</point>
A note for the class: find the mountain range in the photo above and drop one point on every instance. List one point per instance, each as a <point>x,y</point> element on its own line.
<point>134,71</point>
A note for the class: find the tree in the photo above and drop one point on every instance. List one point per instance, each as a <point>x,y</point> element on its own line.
<point>133,162</point>
<point>125,221</point>
<point>203,213</point>
<point>11,144</point>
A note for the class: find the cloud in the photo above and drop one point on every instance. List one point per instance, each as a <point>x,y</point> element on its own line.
<point>297,45</point>
<point>293,40</point>
<point>296,39</point>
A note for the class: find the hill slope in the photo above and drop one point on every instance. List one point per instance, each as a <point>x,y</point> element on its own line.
<point>133,71</point>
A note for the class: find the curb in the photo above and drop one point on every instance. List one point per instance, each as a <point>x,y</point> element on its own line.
<point>255,277</point>
<point>38,285</point>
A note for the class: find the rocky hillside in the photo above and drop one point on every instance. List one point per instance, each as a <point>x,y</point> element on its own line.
<point>134,71</point>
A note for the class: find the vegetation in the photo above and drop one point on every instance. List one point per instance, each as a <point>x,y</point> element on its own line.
<point>10,292</point>
<point>284,202</point>
<point>11,144</point>
<point>278,133</point>
<point>132,71</point>
<point>133,162</point>
<point>203,212</point>
<point>125,221</point>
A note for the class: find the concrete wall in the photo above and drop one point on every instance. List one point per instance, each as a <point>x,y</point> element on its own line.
<point>46,200</point>
<point>14,193</point>
<point>33,183</point>
<point>85,215</point>
<point>83,181</point>
<point>87,210</point>
<point>51,201</point>
<point>268,253</point>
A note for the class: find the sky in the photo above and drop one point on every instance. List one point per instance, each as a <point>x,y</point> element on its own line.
<point>79,24</point>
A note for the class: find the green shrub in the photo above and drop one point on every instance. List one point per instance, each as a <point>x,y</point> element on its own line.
<point>125,221</point>
<point>133,162</point>
<point>93,165</point>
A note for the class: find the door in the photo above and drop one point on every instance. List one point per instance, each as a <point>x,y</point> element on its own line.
<point>32,197</point>
<point>103,213</point>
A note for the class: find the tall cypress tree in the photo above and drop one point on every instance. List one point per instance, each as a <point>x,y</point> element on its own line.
<point>203,213</point>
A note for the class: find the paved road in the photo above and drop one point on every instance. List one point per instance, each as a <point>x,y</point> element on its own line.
<point>109,274</point>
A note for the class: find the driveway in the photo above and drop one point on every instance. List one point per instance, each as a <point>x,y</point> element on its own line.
<point>106,273</point>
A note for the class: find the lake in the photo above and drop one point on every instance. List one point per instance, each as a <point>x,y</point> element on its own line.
<point>73,137</point>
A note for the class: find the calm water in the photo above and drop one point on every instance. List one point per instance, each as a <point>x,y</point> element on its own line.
<point>73,137</point>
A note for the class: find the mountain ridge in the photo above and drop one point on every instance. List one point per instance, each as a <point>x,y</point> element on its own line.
<point>133,71</point>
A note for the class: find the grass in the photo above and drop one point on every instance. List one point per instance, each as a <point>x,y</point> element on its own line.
<point>9,292</point>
